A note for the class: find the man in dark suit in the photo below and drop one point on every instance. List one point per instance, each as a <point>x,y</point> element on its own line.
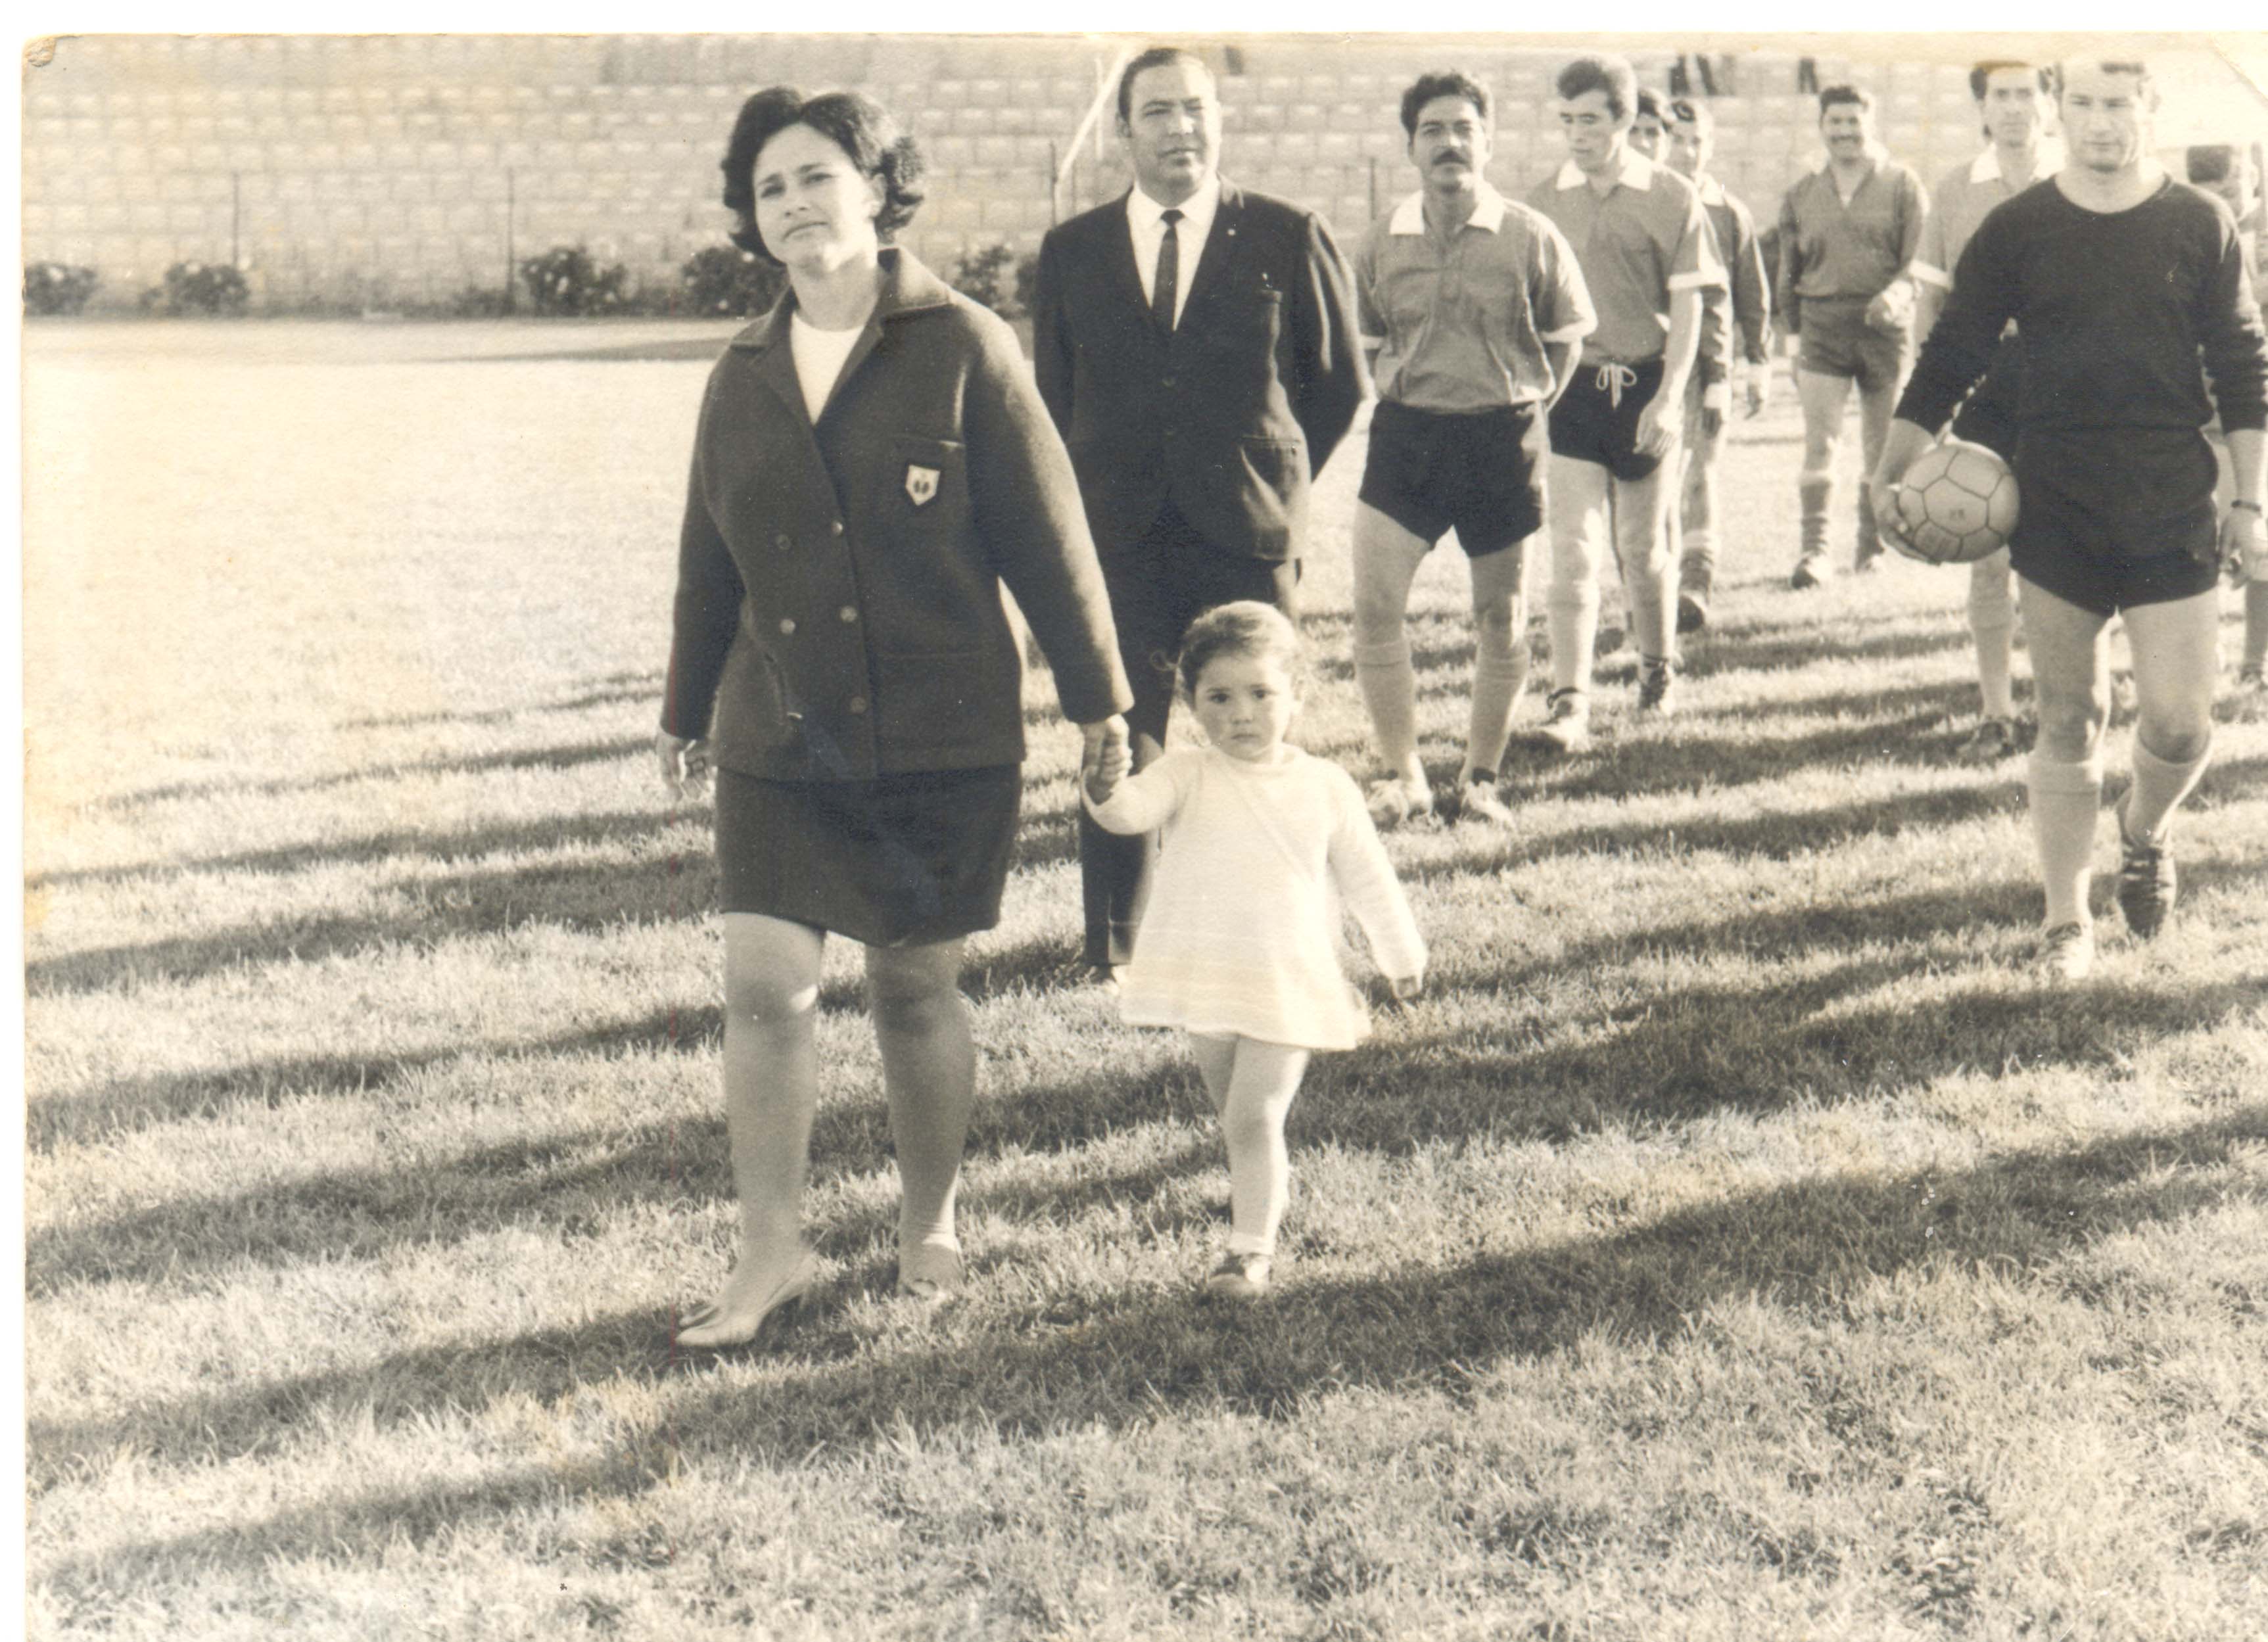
<point>1196,345</point>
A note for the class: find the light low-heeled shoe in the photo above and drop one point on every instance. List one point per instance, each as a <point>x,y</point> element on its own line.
<point>1240,1276</point>
<point>2066,953</point>
<point>701,1329</point>
<point>929,1272</point>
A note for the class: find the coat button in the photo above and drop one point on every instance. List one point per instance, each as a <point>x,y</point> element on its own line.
<point>783,541</point>
<point>838,527</point>
<point>857,703</point>
<point>787,624</point>
<point>849,612</point>
<point>1165,381</point>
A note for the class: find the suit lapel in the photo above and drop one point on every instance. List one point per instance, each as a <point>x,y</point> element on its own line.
<point>1219,255</point>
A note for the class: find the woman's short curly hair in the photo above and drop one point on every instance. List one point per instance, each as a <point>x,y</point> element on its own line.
<point>878,147</point>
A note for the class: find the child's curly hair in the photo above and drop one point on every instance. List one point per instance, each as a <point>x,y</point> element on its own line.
<point>1245,627</point>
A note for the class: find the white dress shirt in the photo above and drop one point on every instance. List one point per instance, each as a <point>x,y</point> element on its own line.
<point>1145,219</point>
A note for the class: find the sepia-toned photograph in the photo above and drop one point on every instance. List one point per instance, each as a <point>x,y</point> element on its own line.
<point>1125,835</point>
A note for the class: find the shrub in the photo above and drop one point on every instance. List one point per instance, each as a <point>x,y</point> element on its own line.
<point>723,279</point>
<point>199,287</point>
<point>988,274</point>
<point>564,280</point>
<point>58,287</point>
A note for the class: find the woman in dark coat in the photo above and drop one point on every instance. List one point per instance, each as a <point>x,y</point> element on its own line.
<point>872,462</point>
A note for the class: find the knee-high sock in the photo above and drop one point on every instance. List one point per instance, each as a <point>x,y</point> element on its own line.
<point>1870,539</point>
<point>1499,673</point>
<point>1992,622</point>
<point>1260,1093</point>
<point>1815,495</point>
<point>1389,690</point>
<point>2160,785</point>
<point>2254,653</point>
<point>2064,800</point>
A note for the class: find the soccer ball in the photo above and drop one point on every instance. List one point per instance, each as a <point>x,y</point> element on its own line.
<point>1956,504</point>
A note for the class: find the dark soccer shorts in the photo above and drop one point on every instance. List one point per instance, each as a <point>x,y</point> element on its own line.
<point>2109,565</point>
<point>1596,418</point>
<point>1836,341</point>
<point>1479,472</point>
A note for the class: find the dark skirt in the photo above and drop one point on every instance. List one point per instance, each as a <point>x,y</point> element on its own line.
<point>898,861</point>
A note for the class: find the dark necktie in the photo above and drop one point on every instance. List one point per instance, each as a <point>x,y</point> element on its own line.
<point>1166,288</point>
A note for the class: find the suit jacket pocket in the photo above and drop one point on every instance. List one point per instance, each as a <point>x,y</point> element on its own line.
<point>1278,467</point>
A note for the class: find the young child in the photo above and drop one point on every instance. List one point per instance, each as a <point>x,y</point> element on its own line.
<point>1239,943</point>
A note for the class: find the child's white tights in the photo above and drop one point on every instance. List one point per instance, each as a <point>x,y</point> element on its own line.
<point>1252,1084</point>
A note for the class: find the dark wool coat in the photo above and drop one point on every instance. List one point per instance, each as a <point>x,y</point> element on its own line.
<point>838,594</point>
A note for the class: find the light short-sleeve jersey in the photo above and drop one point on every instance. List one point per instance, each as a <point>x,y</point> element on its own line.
<point>1460,323</point>
<point>1644,238</point>
<point>1962,199</point>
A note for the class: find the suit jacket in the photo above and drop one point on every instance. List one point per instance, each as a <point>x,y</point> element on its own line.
<point>1230,415</point>
<point>838,586</point>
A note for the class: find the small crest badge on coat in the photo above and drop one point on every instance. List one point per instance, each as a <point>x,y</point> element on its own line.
<point>921,484</point>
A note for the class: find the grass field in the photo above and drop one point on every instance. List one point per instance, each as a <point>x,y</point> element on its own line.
<point>1733,1243</point>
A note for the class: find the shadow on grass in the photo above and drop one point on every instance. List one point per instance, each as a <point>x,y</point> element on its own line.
<point>557,757</point>
<point>1772,834</point>
<point>129,1104</point>
<point>1118,1362</point>
<point>637,687</point>
<point>580,895</point>
<point>435,843</point>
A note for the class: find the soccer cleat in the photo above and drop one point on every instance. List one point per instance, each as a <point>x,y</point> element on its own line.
<point>1692,613</point>
<point>1393,800</point>
<point>1482,802</point>
<point>1238,1276</point>
<point>1657,689</point>
<point>1567,726</point>
<point>1807,575</point>
<point>1992,740</point>
<point>2146,884</point>
<point>2067,952</point>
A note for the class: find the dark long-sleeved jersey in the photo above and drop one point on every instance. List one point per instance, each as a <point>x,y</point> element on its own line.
<point>2116,309</point>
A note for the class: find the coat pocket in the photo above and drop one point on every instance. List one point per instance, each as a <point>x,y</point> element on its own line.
<point>931,478</point>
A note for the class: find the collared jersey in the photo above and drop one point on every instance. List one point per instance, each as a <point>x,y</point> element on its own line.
<point>1145,221</point>
<point>1828,249</point>
<point>1642,239</point>
<point>1460,323</point>
<point>1963,198</point>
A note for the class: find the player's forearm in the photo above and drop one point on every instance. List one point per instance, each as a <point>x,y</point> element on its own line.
<point>1906,441</point>
<point>2248,451</point>
<point>1563,358</point>
<point>1677,353</point>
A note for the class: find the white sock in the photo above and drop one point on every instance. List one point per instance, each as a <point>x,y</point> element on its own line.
<point>2064,800</point>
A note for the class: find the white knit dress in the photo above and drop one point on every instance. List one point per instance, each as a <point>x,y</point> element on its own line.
<point>1243,928</point>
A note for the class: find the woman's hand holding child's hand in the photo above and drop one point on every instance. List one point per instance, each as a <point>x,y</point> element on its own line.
<point>1107,758</point>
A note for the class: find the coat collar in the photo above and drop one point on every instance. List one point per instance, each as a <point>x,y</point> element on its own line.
<point>1488,212</point>
<point>908,287</point>
<point>1635,172</point>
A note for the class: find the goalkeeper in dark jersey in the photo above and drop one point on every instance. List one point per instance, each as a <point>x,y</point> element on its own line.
<point>2122,282</point>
